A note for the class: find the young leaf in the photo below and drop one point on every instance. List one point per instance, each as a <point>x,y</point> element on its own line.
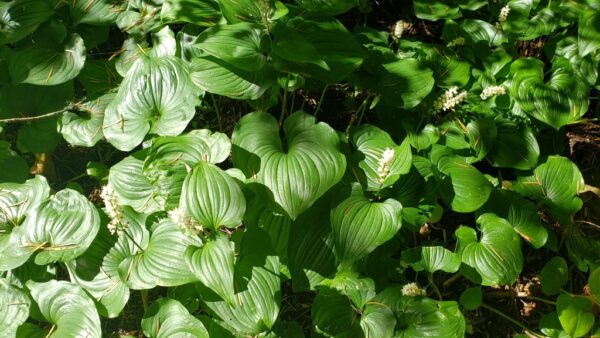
<point>575,314</point>
<point>431,259</point>
<point>296,175</point>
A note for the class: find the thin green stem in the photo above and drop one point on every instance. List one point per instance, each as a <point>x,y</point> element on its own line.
<point>217,111</point>
<point>542,300</point>
<point>284,100</point>
<point>133,240</point>
<point>452,279</point>
<point>293,101</point>
<point>321,100</point>
<point>512,320</point>
<point>144,294</point>
<point>434,286</point>
<point>361,110</point>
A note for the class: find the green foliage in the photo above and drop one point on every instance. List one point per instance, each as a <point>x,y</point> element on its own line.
<point>294,168</point>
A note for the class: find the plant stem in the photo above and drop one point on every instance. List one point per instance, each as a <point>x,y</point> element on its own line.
<point>293,101</point>
<point>435,288</point>
<point>321,100</point>
<point>133,240</point>
<point>362,109</point>
<point>144,294</point>
<point>217,111</point>
<point>284,100</point>
<point>510,319</point>
<point>452,279</point>
<point>39,117</point>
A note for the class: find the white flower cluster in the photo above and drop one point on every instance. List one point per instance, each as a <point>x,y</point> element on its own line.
<point>503,15</point>
<point>185,221</point>
<point>492,91</point>
<point>449,100</point>
<point>113,209</point>
<point>385,163</point>
<point>399,28</point>
<point>456,42</point>
<point>412,290</point>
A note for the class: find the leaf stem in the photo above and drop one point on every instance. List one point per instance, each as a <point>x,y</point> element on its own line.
<point>39,117</point>
<point>434,286</point>
<point>144,294</point>
<point>133,240</point>
<point>512,320</point>
<point>284,100</point>
<point>217,111</point>
<point>321,100</point>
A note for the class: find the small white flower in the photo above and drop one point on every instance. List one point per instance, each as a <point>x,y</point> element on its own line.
<point>492,91</point>
<point>113,209</point>
<point>412,290</point>
<point>503,16</point>
<point>456,42</point>
<point>399,28</point>
<point>385,163</point>
<point>449,100</point>
<point>185,221</point>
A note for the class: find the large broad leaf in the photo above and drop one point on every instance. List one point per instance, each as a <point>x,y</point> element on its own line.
<point>13,168</point>
<point>132,187</point>
<point>556,183</point>
<point>20,18</point>
<point>15,100</point>
<point>83,126</point>
<point>328,7</point>
<point>469,188</point>
<point>213,265</point>
<point>560,101</point>
<point>434,10</point>
<point>198,12</point>
<point>257,284</point>
<point>589,31</point>
<point>14,308</point>
<point>59,229</point>
<point>372,142</point>
<point>157,96</point>
<point>277,225</point>
<point>525,22</point>
<point>247,10</point>
<point>422,317</point>
<point>154,258</point>
<point>495,259</point>
<point>98,77</point>
<point>218,77</point>
<point>97,272</point>
<point>554,275</point>
<point>405,83</point>
<point>237,45</point>
<point>575,314</point>
<point>360,225</point>
<point>482,31</point>
<point>163,44</point>
<point>212,197</point>
<point>68,308</point>
<point>294,176</point>
<point>594,284</point>
<point>48,64</point>
<point>339,51</point>
<point>515,147</point>
<point>167,318</point>
<point>431,259</point>
<point>520,213</point>
<point>97,12</point>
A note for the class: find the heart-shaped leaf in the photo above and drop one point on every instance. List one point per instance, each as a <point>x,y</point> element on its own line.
<point>575,314</point>
<point>510,139</point>
<point>212,197</point>
<point>405,83</point>
<point>431,259</point>
<point>82,126</point>
<point>213,265</point>
<point>14,308</point>
<point>495,259</point>
<point>384,161</point>
<point>360,225</point>
<point>556,183</point>
<point>157,96</point>
<point>297,175</point>
<point>67,307</point>
<point>134,48</point>
<point>168,318</point>
<point>469,188</point>
<point>131,187</point>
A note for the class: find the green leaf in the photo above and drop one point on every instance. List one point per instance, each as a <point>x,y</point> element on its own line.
<point>555,183</point>
<point>481,31</point>
<point>67,307</point>
<point>98,77</point>
<point>405,83</point>
<point>470,189</point>
<point>155,258</point>
<point>38,137</point>
<point>168,318</point>
<point>471,298</point>
<point>83,126</point>
<point>134,48</point>
<point>575,314</point>
<point>431,259</point>
<point>294,176</point>
<point>277,225</point>
<point>594,284</point>
<point>14,308</point>
<point>520,213</point>
<point>335,47</point>
<point>212,197</point>
<point>422,317</point>
<point>157,96</point>
<point>213,265</point>
<point>257,283</point>
<point>372,142</point>
<point>328,7</point>
<point>434,10</point>
<point>359,225</point>
<point>554,275</point>
<point>247,10</point>
<point>132,187</point>
<point>495,259</point>
<point>237,45</point>
<point>515,147</point>
<point>198,12</point>
<point>20,18</point>
<point>13,167</point>
<point>588,31</point>
<point>526,24</point>
<point>558,102</point>
<point>98,12</point>
<point>217,76</point>
<point>48,64</point>
<point>15,100</point>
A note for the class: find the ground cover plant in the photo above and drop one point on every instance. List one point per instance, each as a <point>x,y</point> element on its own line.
<point>300,168</point>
